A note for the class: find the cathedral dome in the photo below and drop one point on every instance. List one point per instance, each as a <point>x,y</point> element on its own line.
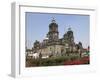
<point>70,32</point>
<point>53,24</point>
<point>69,35</point>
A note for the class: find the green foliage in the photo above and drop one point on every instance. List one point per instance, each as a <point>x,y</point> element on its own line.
<point>53,61</point>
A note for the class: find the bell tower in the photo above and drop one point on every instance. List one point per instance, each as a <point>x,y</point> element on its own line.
<point>53,33</point>
<point>68,36</point>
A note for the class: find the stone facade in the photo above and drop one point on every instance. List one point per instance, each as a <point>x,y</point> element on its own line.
<point>53,46</point>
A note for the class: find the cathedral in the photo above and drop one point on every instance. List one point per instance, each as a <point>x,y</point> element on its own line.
<point>52,45</point>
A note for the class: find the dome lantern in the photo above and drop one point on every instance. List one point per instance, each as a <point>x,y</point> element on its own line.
<point>53,20</point>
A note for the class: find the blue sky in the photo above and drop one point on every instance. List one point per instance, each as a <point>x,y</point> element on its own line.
<point>37,26</point>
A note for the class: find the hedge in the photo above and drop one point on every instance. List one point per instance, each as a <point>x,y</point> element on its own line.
<point>53,61</point>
